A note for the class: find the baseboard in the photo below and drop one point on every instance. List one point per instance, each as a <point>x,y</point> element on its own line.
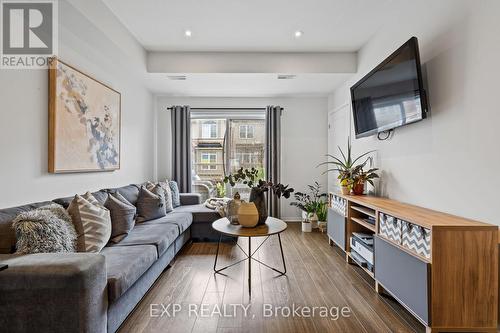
<point>291,219</point>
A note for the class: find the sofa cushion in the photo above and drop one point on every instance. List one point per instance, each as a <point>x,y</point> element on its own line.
<point>181,220</point>
<point>122,216</point>
<point>92,223</point>
<point>47,229</point>
<point>129,192</point>
<point>160,235</point>
<point>125,265</point>
<point>201,214</point>
<point>100,196</point>
<point>150,204</point>
<point>7,234</point>
<point>176,200</point>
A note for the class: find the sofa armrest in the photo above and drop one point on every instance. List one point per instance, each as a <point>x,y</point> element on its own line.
<point>53,292</point>
<point>190,199</point>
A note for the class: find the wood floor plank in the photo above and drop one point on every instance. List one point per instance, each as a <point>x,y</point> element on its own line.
<point>317,275</point>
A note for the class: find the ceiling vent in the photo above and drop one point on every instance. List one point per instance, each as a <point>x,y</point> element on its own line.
<point>177,77</point>
<point>286,76</point>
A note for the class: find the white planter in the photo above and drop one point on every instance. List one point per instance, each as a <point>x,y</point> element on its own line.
<point>306,226</point>
<point>313,218</point>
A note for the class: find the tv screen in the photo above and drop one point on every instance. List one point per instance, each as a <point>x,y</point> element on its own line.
<point>391,95</point>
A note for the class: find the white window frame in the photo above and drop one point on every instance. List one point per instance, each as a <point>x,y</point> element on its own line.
<point>208,163</point>
<point>246,130</point>
<point>209,130</point>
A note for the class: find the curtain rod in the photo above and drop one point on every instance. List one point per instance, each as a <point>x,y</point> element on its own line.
<point>260,109</point>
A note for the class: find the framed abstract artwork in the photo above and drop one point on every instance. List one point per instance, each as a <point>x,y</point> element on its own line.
<point>84,122</point>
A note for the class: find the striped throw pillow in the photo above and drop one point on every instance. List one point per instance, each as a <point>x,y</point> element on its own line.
<point>92,223</point>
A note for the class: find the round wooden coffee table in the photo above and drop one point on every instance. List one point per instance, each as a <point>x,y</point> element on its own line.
<point>273,226</point>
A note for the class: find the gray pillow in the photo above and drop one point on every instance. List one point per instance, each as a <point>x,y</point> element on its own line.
<point>150,204</point>
<point>47,229</point>
<point>166,191</point>
<point>176,198</point>
<point>122,216</point>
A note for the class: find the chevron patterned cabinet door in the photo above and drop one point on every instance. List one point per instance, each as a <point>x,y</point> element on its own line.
<point>339,205</point>
<point>390,228</point>
<point>417,239</point>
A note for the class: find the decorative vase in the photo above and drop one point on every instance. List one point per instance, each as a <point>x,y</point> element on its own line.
<point>259,199</point>
<point>306,226</point>
<point>344,190</point>
<point>358,189</point>
<point>232,209</point>
<point>248,215</point>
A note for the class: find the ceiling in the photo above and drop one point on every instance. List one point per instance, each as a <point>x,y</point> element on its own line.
<point>251,26</point>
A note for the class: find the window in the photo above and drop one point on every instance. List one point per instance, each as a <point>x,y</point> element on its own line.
<point>208,158</point>
<point>246,158</point>
<point>246,131</point>
<point>208,161</point>
<point>209,130</point>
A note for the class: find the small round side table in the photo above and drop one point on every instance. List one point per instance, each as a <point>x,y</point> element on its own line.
<point>273,226</point>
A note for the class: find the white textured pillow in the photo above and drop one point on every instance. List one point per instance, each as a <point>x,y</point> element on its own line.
<point>92,223</point>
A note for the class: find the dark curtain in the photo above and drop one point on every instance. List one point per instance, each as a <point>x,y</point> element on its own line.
<point>181,147</point>
<point>273,155</point>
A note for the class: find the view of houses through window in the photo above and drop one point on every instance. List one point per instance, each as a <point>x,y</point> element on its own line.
<point>222,146</point>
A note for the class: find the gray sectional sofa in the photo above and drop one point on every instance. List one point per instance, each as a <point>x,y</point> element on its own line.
<point>88,292</point>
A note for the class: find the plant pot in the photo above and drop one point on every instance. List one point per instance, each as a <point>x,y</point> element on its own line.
<point>358,189</point>
<point>344,190</point>
<point>248,216</point>
<point>313,219</point>
<point>306,226</point>
<point>258,197</point>
<point>322,226</point>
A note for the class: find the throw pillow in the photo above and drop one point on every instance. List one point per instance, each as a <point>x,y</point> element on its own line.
<point>167,193</point>
<point>122,216</point>
<point>47,229</point>
<point>176,199</point>
<point>169,205</point>
<point>150,204</point>
<point>92,223</point>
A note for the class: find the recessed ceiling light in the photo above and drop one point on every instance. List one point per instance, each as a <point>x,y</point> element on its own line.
<point>188,33</point>
<point>177,77</point>
<point>298,34</point>
<point>286,76</point>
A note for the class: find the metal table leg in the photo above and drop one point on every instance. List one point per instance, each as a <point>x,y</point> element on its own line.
<point>249,266</point>
<point>250,256</point>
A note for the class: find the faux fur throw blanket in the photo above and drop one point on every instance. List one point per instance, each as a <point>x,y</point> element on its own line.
<point>43,230</point>
<point>218,204</point>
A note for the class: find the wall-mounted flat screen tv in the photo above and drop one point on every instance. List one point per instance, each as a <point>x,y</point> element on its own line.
<point>391,95</point>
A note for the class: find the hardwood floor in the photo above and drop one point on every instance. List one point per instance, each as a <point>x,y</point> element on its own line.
<point>317,276</point>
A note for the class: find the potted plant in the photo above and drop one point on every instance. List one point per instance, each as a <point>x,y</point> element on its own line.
<point>347,167</point>
<point>322,213</point>
<point>253,179</point>
<point>309,203</point>
<point>220,189</point>
<point>361,177</point>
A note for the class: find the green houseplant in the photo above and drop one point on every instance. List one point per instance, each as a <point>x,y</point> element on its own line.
<point>253,179</point>
<point>361,177</point>
<point>350,169</point>
<point>309,202</point>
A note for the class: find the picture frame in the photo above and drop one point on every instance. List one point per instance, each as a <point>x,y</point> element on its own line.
<point>84,122</point>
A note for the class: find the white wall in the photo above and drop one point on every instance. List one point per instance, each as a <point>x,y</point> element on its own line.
<point>448,162</point>
<point>94,41</point>
<point>304,133</point>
